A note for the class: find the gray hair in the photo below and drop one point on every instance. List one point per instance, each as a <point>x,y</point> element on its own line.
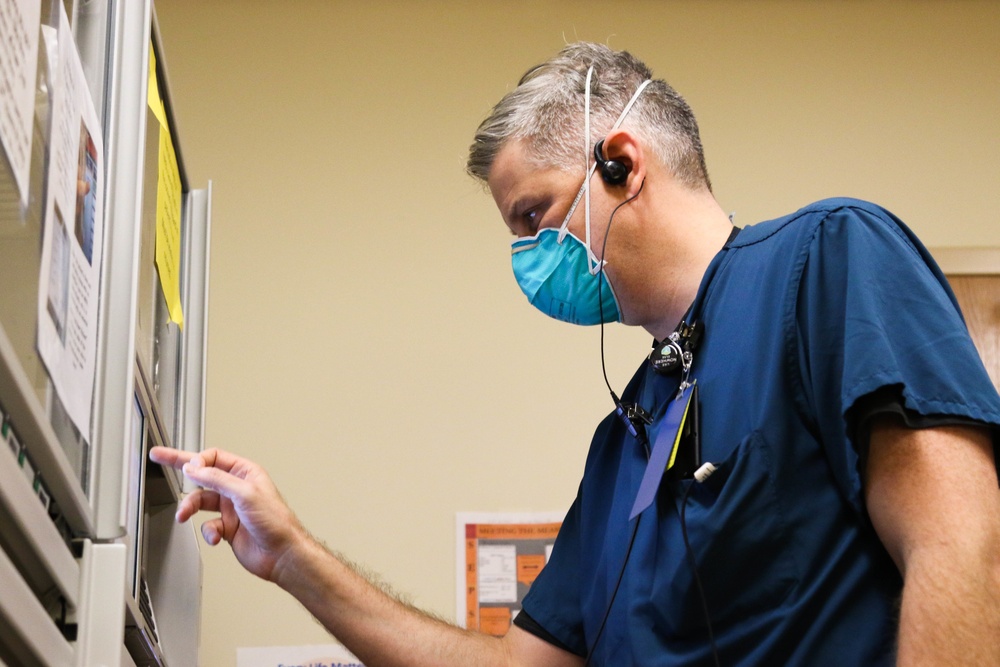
<point>546,112</point>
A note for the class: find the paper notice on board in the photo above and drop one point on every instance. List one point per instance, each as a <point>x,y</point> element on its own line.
<point>73,236</point>
<point>323,655</point>
<point>153,98</point>
<point>19,21</point>
<point>168,206</point>
<point>499,556</point>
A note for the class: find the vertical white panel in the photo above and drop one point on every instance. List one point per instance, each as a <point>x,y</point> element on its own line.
<point>194,346</point>
<point>101,614</point>
<point>174,574</point>
<point>126,129</point>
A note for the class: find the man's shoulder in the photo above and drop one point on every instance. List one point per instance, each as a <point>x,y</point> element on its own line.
<point>840,203</point>
<point>801,225</point>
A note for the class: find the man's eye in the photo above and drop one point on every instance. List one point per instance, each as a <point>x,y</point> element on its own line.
<point>531,219</point>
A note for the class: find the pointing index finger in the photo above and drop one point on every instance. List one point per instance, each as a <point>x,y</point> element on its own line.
<point>168,456</point>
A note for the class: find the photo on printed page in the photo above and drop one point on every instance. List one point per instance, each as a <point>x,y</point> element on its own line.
<point>86,193</point>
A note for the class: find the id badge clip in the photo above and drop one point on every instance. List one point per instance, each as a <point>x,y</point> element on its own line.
<point>676,452</point>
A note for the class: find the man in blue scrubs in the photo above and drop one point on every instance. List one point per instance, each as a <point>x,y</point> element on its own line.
<point>848,511</point>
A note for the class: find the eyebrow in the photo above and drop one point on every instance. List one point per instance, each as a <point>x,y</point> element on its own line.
<point>515,212</point>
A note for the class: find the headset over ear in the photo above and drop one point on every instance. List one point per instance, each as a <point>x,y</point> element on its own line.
<point>612,171</point>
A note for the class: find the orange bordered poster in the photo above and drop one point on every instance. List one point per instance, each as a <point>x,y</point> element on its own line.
<point>499,556</point>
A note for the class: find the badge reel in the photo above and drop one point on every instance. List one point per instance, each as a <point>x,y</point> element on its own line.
<point>676,446</point>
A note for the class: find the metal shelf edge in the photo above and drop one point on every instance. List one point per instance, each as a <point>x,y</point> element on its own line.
<point>25,619</point>
<point>34,429</point>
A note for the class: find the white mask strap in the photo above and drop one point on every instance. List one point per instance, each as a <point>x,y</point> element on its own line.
<point>589,168</point>
<point>586,163</point>
<point>595,264</point>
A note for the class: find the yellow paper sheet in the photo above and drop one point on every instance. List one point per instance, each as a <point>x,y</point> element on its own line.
<point>168,206</point>
<point>153,98</point>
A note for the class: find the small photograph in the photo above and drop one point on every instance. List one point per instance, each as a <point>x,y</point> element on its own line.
<point>58,291</point>
<point>86,193</point>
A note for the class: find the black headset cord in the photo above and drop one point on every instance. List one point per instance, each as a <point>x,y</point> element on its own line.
<point>614,594</point>
<point>621,412</point>
<point>600,303</point>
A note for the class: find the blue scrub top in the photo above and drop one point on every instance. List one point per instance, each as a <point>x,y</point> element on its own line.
<point>804,315</point>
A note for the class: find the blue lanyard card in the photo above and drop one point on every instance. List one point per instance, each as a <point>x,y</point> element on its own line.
<point>676,448</point>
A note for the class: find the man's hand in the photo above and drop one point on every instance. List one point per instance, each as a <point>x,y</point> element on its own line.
<point>253,517</point>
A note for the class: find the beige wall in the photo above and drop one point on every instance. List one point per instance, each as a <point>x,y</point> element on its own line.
<point>368,344</point>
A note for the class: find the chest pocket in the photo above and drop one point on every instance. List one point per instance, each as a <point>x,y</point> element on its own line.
<point>740,540</point>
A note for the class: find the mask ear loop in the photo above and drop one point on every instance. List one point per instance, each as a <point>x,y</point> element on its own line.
<point>592,259</point>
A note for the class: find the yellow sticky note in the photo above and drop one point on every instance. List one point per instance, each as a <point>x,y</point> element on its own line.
<point>168,226</point>
<point>168,205</point>
<point>153,91</point>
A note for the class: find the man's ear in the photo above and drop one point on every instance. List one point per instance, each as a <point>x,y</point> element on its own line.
<point>626,148</point>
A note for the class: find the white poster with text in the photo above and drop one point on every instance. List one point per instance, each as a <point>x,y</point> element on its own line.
<point>19,23</point>
<point>73,238</point>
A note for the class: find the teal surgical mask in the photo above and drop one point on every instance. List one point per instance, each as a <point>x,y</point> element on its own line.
<point>553,269</point>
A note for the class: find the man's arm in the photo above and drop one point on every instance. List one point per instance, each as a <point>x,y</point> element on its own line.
<point>269,541</point>
<point>933,497</point>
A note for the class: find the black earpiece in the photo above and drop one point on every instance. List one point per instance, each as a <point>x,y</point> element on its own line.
<point>612,171</point>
